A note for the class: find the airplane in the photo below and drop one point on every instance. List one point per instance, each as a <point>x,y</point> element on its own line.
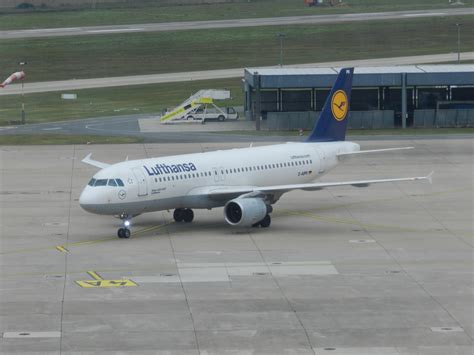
<point>245,181</point>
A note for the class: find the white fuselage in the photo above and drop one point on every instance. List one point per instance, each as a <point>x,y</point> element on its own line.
<point>181,181</point>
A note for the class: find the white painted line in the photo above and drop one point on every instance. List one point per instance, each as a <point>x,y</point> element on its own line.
<point>356,351</point>
<point>51,129</point>
<point>32,334</point>
<point>116,30</point>
<point>153,279</point>
<point>361,241</point>
<point>204,275</point>
<point>425,15</point>
<point>222,272</point>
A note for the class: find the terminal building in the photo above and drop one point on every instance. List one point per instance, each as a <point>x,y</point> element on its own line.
<point>382,97</point>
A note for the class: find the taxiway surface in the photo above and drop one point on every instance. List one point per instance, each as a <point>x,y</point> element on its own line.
<point>232,23</point>
<point>381,270</point>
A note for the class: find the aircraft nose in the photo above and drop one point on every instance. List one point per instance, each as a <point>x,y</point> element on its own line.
<point>86,200</point>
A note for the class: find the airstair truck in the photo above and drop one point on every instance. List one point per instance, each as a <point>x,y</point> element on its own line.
<point>200,107</point>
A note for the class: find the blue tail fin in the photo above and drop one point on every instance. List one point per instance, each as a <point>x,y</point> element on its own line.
<point>332,122</point>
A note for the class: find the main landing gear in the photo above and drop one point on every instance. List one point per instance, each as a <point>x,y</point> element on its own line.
<point>183,215</point>
<point>264,223</point>
<point>124,232</point>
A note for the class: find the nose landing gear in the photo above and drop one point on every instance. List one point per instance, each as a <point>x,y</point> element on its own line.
<point>124,232</point>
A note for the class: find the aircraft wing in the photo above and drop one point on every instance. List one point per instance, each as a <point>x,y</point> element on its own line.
<point>231,192</point>
<point>95,163</point>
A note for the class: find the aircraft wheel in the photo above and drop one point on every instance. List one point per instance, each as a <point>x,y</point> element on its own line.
<point>188,215</point>
<point>126,233</point>
<point>265,223</point>
<point>178,215</point>
<point>120,233</point>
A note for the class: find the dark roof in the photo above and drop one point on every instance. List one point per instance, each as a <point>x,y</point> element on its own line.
<point>417,75</point>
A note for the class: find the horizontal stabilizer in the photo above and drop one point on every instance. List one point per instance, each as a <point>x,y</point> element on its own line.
<point>95,163</point>
<point>372,151</point>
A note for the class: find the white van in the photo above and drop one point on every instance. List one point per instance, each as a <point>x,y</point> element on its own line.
<point>213,113</point>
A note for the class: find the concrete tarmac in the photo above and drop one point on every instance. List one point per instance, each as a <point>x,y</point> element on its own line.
<point>386,269</point>
<point>232,23</point>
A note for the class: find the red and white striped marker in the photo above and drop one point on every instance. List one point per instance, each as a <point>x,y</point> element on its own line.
<point>19,75</point>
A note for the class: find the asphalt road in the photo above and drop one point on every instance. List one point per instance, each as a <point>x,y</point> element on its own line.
<point>198,25</point>
<point>129,126</point>
<point>65,85</point>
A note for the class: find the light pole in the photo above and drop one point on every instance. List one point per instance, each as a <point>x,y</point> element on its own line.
<point>23,114</point>
<point>458,25</point>
<point>281,36</point>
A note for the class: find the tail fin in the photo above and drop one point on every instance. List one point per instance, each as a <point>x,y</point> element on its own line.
<point>332,122</point>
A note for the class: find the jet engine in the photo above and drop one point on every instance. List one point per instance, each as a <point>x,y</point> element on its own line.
<point>245,212</point>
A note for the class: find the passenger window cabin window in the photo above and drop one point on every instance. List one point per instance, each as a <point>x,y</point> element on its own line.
<point>119,182</point>
<point>91,182</point>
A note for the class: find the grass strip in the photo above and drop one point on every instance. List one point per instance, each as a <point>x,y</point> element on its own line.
<point>143,12</point>
<point>142,99</point>
<point>59,139</point>
<point>169,52</point>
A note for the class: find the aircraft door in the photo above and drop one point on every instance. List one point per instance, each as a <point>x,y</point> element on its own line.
<point>141,181</point>
<point>322,160</point>
<point>219,175</point>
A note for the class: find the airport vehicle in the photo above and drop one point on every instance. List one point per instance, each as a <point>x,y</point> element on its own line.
<point>215,113</point>
<point>199,106</point>
<point>246,181</point>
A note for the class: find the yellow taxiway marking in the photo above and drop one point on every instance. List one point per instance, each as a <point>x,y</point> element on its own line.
<point>106,283</point>
<point>100,282</point>
<point>94,275</point>
<point>84,243</point>
<point>62,249</point>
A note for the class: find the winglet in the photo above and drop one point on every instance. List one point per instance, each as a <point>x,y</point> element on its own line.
<point>95,163</point>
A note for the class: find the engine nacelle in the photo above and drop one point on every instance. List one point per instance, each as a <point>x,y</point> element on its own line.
<point>245,211</point>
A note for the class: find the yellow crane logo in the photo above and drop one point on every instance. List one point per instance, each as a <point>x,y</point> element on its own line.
<point>339,105</point>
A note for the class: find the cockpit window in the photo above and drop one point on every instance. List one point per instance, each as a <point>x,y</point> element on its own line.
<point>101,182</point>
<point>119,182</point>
<point>112,182</point>
<point>92,182</point>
